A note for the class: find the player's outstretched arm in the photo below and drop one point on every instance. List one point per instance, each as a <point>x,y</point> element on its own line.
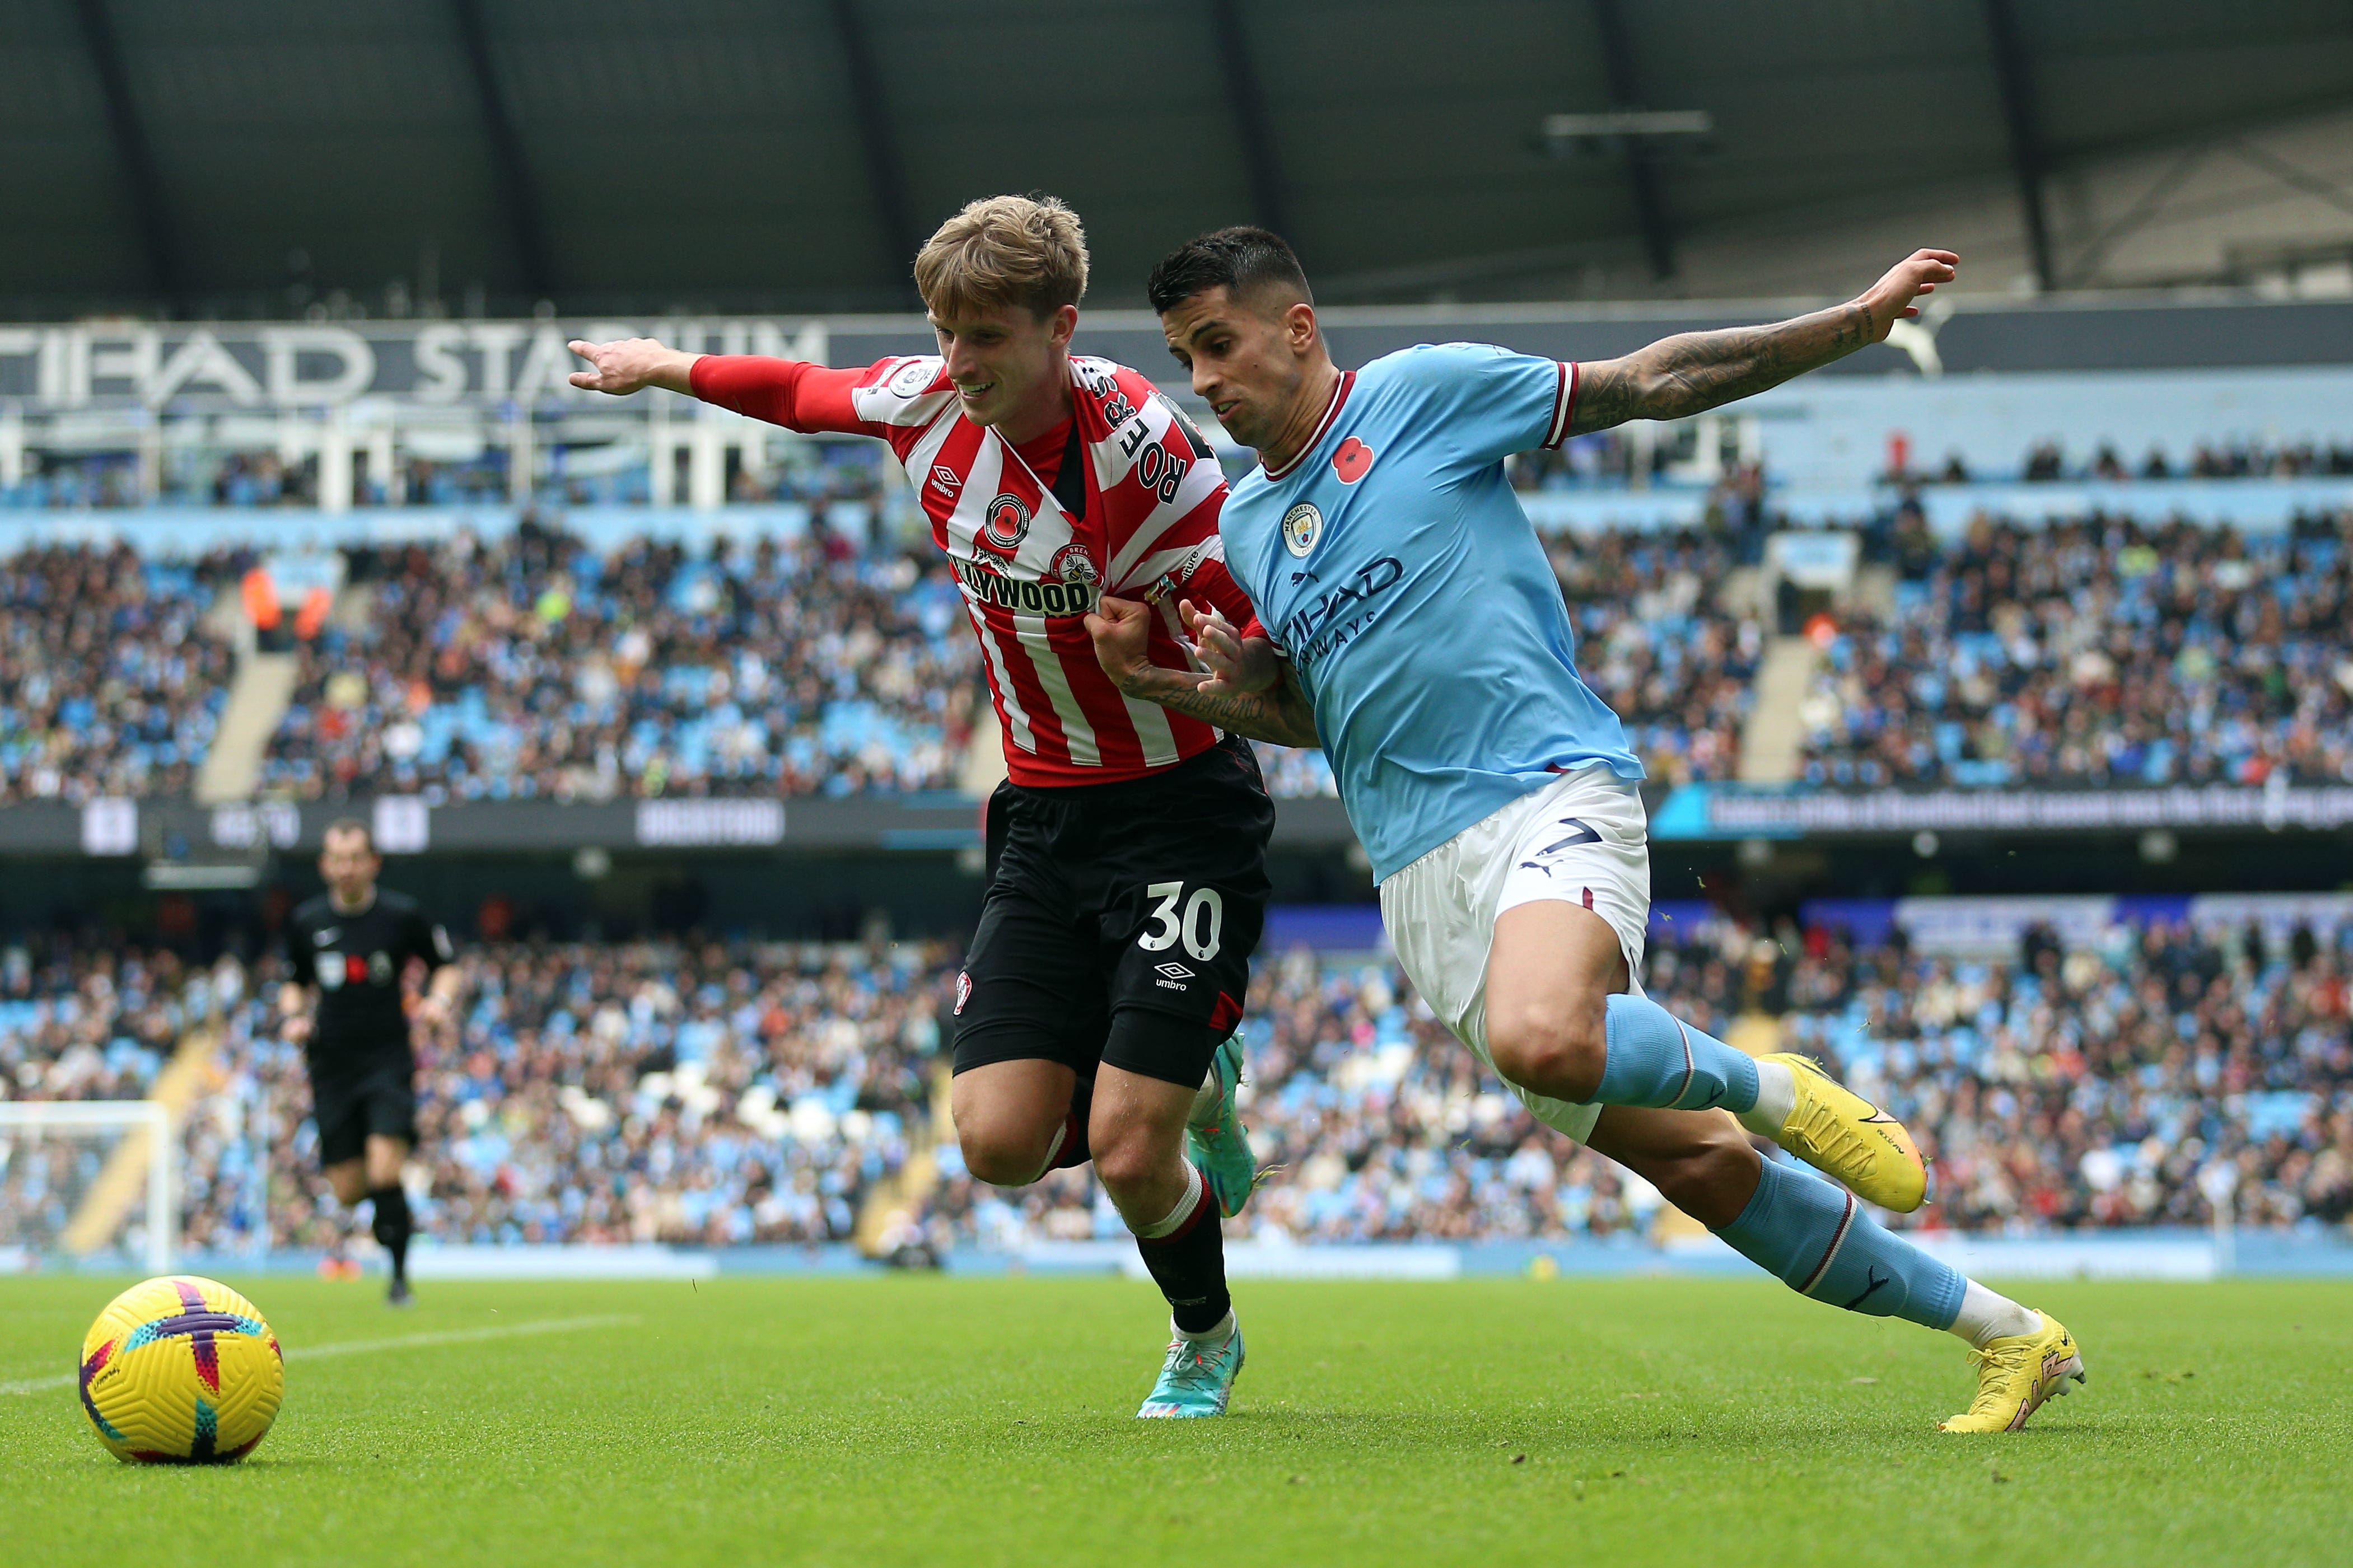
<point>1695,371</point>
<point>1279,712</point>
<point>632,364</point>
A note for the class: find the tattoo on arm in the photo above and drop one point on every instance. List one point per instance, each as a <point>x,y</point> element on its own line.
<point>1695,371</point>
<point>1281,714</point>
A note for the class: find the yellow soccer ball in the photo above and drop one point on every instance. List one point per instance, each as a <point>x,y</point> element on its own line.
<point>181,1371</point>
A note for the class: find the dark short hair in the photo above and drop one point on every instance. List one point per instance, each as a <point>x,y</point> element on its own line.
<point>1242,258</point>
<point>349,825</point>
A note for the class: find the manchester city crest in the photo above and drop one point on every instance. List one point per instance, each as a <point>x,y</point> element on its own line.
<point>1302,525</point>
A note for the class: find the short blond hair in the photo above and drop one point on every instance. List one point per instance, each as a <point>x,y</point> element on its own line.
<point>1003,251</point>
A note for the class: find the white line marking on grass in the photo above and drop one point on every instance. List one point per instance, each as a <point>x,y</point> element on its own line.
<point>398,1342</point>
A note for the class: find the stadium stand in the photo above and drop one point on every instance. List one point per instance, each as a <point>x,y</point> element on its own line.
<point>536,666</point>
<point>731,1092</point>
<point>2096,651</point>
<point>2235,458</point>
<point>108,684</point>
<point>531,665</point>
<point>705,1093</point>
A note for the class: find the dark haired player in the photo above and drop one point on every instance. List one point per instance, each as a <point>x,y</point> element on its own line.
<point>351,946</point>
<point>1423,641</point>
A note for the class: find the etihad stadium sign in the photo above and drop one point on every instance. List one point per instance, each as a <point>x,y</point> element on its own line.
<point>268,366</point>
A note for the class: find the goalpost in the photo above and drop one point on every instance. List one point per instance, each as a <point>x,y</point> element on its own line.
<point>73,1173</point>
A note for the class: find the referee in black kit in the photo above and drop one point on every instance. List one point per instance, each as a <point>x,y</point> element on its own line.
<point>352,945</point>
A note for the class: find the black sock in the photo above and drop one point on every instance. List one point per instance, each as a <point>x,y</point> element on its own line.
<point>392,1225</point>
<point>1073,1150</point>
<point>1188,1264</point>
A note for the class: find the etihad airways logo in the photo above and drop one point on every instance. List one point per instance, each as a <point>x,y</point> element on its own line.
<point>1335,617</point>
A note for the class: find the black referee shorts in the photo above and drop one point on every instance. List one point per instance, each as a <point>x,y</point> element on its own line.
<point>1120,919</point>
<point>349,1105</point>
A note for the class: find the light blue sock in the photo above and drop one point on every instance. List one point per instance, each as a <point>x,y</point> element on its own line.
<point>1815,1236</point>
<point>1657,1059</point>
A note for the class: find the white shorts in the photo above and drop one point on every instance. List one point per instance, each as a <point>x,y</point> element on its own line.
<point>1584,840</point>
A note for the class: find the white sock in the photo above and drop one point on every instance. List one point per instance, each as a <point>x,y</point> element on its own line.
<point>1216,1330</point>
<point>1196,1189</point>
<point>1986,1317</point>
<point>1777,1096</point>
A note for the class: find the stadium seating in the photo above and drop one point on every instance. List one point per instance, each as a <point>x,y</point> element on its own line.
<point>2097,652</point>
<point>729,1093</point>
<point>614,1093</point>
<point>535,667</point>
<point>108,685</point>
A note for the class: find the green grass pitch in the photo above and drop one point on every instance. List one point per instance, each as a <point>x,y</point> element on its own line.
<point>973,1421</point>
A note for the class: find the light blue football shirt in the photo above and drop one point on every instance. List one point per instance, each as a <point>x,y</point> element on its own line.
<point>1392,563</point>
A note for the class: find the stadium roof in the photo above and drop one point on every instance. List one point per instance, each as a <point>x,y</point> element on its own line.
<point>252,156</point>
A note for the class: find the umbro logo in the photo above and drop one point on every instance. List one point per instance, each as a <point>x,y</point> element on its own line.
<point>946,479</point>
<point>1172,970</point>
<point>327,935</point>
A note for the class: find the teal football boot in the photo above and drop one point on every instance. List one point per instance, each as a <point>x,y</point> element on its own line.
<point>1214,1136</point>
<point>1197,1379</point>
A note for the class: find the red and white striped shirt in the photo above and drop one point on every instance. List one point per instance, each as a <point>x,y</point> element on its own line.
<point>1030,570</point>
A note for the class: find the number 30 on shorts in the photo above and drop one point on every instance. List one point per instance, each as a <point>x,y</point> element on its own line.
<point>1200,926</point>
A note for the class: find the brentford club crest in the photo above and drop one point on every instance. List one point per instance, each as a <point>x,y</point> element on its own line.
<point>1072,564</point>
<point>1004,524</point>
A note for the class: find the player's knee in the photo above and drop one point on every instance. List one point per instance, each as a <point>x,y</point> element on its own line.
<point>1130,1164</point>
<point>1553,1048</point>
<point>1004,1154</point>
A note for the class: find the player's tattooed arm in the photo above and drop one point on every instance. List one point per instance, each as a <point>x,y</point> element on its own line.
<point>1695,371</point>
<point>1247,690</point>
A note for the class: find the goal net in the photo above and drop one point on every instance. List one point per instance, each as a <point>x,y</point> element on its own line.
<point>86,1179</point>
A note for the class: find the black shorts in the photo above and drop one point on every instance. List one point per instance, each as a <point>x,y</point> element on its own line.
<point>351,1106</point>
<point>1120,919</point>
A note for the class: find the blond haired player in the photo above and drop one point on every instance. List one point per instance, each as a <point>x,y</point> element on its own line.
<point>1096,1012</point>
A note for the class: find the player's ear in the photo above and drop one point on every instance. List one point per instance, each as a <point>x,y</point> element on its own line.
<point>1299,329</point>
<point>1062,325</point>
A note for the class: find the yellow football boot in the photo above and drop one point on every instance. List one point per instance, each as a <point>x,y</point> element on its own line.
<point>1850,1139</point>
<point>2015,1375</point>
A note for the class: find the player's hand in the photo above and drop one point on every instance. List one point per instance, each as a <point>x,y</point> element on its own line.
<point>1237,667</point>
<point>1915,277</point>
<point>1123,631</point>
<point>630,366</point>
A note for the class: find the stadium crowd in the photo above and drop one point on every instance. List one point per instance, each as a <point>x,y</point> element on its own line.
<point>2096,651</point>
<point>109,686</point>
<point>535,667</point>
<point>532,665</point>
<point>2065,1090</point>
<point>713,1093</point>
<point>724,1093</point>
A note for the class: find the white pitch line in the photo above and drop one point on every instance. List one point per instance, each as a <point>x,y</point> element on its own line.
<point>398,1342</point>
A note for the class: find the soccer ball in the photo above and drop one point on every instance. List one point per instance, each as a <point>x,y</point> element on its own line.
<point>181,1371</point>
